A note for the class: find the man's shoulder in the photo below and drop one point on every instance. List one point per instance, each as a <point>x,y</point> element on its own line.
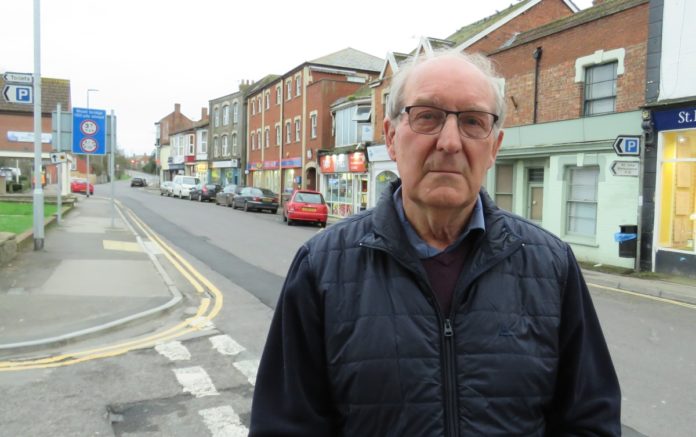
<point>528,231</point>
<point>346,233</point>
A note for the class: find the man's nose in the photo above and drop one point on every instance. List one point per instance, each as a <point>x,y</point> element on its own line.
<point>450,139</point>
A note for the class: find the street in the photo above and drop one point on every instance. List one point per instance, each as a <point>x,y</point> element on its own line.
<point>201,383</point>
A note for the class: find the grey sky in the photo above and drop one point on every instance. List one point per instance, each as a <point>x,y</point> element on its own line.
<point>144,56</point>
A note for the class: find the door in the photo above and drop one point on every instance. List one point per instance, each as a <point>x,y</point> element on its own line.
<point>535,206</point>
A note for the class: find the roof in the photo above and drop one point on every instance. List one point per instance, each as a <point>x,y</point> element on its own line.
<point>350,58</point>
<point>364,92</point>
<point>261,84</point>
<point>53,91</point>
<point>607,8</point>
<point>469,31</point>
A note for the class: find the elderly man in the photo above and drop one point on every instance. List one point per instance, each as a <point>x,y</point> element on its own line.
<point>436,313</point>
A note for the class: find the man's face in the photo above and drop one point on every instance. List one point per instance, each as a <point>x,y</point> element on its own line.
<point>445,170</point>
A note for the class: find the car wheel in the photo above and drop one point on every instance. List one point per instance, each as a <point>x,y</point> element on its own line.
<point>322,224</point>
<point>290,222</point>
<point>273,211</point>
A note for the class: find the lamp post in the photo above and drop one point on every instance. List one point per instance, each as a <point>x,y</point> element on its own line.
<point>38,195</point>
<point>87,188</point>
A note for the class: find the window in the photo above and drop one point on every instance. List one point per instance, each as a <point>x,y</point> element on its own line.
<point>313,118</point>
<point>362,113</point>
<point>288,84</point>
<point>253,106</point>
<point>279,137</point>
<point>216,116</point>
<point>258,100</point>
<point>503,186</point>
<point>267,137</point>
<point>235,112</point>
<point>216,147</point>
<point>225,146</point>
<point>226,115</point>
<point>203,141</point>
<point>190,145</point>
<point>288,132</point>
<point>600,89</point>
<point>298,85</point>
<point>677,193</point>
<point>253,141</point>
<point>298,129</point>
<point>279,94</point>
<point>581,206</point>
<point>259,139</point>
<point>268,99</point>
<point>235,146</point>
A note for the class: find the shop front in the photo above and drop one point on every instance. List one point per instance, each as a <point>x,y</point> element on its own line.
<point>265,174</point>
<point>382,172</point>
<point>202,171</point>
<point>674,250</point>
<point>225,172</point>
<point>291,169</point>
<point>176,166</point>
<point>344,182</point>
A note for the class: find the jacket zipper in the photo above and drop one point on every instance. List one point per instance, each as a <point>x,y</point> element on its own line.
<point>450,375</point>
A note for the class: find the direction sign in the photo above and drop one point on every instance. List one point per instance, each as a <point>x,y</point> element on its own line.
<point>26,78</point>
<point>89,131</point>
<point>18,93</point>
<point>58,157</point>
<point>625,168</point>
<point>627,145</point>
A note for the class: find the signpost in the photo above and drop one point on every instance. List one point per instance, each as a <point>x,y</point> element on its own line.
<point>25,78</point>
<point>14,93</point>
<point>625,168</point>
<point>627,145</point>
<point>89,131</point>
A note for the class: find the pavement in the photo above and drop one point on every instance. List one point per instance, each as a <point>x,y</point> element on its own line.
<point>95,276</point>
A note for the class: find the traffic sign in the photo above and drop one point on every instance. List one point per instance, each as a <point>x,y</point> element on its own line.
<point>89,131</point>
<point>58,157</point>
<point>627,145</point>
<point>18,93</point>
<point>625,168</point>
<point>26,78</point>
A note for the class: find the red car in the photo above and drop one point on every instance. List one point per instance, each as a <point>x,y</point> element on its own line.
<point>80,186</point>
<point>306,206</point>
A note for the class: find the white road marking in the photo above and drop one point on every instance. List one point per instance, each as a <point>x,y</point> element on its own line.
<point>196,381</point>
<point>173,350</point>
<point>223,422</point>
<point>201,323</point>
<point>225,345</point>
<point>248,369</point>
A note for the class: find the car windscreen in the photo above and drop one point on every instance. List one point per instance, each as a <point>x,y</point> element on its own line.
<point>267,193</point>
<point>309,198</point>
<point>190,181</point>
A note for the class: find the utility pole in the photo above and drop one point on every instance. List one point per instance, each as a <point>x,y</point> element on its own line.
<point>38,197</point>
<point>87,189</point>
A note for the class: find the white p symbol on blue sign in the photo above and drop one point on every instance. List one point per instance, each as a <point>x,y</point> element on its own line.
<point>631,145</point>
<point>23,94</point>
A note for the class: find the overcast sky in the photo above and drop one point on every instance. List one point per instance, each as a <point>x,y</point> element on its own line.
<point>143,56</point>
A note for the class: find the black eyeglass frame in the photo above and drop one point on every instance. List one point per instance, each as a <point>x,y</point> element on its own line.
<point>406,110</point>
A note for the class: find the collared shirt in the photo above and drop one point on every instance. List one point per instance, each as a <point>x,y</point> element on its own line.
<point>423,249</point>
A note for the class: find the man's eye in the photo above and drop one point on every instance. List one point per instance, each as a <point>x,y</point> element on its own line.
<point>427,115</point>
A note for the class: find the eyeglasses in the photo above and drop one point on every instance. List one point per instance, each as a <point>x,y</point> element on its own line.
<point>429,120</point>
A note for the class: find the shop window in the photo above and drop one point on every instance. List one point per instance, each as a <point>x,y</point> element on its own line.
<point>339,194</point>
<point>503,186</point>
<point>581,203</point>
<point>600,89</point>
<point>677,209</point>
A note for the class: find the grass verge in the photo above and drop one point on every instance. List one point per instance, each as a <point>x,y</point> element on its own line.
<point>19,217</point>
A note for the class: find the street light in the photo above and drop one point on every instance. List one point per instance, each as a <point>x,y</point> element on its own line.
<point>88,91</point>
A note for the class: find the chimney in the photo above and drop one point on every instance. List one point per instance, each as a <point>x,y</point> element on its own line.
<point>177,107</point>
<point>204,113</point>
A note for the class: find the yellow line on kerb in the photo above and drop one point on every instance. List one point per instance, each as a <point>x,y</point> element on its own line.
<point>645,296</point>
<point>192,324</point>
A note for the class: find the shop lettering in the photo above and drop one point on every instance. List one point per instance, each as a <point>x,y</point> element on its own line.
<point>686,116</point>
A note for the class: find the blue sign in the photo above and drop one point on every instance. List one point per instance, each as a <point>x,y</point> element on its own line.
<point>627,145</point>
<point>89,131</point>
<point>681,118</point>
<point>18,93</point>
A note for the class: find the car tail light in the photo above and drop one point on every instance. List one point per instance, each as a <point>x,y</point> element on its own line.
<point>205,190</point>
<point>256,199</point>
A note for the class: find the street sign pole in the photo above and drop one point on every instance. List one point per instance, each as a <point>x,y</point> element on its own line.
<point>38,197</point>
<point>60,173</point>
<point>111,166</point>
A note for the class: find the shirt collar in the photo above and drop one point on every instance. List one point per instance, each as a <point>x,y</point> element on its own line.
<point>423,249</point>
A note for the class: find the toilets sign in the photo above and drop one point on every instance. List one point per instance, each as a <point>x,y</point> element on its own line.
<point>89,131</point>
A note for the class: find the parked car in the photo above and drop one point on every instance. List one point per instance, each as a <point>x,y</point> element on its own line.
<point>254,198</point>
<point>181,185</point>
<point>226,195</point>
<point>138,182</point>
<point>80,186</point>
<point>166,188</point>
<point>306,206</point>
<point>205,192</point>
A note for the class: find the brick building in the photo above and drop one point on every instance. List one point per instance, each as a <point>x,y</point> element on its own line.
<point>173,122</point>
<point>289,120</point>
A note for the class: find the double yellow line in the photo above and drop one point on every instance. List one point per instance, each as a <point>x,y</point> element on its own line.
<point>204,315</point>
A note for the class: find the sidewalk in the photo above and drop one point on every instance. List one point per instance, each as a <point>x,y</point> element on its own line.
<point>90,278</point>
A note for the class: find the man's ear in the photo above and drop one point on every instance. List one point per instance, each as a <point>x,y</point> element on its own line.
<point>496,147</point>
<point>389,132</point>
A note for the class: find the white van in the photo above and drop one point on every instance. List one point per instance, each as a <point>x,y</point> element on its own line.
<point>181,185</point>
